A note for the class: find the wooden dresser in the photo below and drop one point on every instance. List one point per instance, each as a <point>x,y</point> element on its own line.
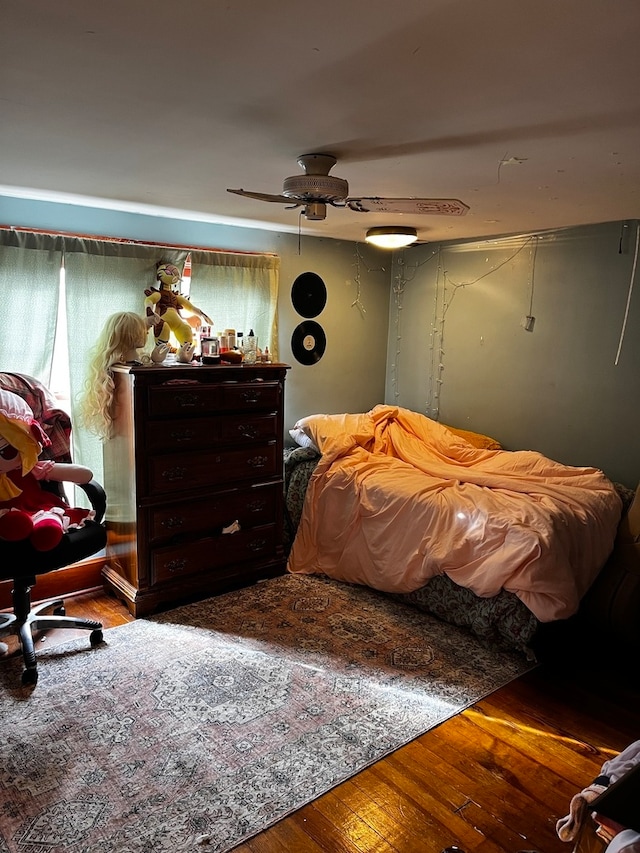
<point>194,482</point>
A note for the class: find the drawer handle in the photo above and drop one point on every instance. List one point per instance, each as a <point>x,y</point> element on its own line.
<point>252,396</point>
<point>187,401</point>
<point>248,430</point>
<point>257,545</point>
<point>173,522</point>
<point>176,565</point>
<point>182,435</point>
<point>257,505</point>
<point>176,473</point>
<point>257,461</point>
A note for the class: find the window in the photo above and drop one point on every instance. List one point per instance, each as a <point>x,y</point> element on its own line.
<point>59,290</point>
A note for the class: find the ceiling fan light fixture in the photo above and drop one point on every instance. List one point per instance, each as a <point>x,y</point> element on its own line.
<point>391,236</point>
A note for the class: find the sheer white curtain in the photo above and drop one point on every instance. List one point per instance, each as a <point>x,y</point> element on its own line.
<point>29,288</point>
<point>238,292</point>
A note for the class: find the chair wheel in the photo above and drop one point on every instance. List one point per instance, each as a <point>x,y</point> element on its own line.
<point>95,638</point>
<point>60,611</point>
<point>30,676</point>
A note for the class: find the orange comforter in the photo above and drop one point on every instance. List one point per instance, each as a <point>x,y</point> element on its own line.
<point>398,498</point>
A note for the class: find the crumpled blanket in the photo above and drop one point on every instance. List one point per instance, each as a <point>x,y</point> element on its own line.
<point>397,499</point>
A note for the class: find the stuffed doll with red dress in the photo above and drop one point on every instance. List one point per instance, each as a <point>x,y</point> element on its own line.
<point>27,511</point>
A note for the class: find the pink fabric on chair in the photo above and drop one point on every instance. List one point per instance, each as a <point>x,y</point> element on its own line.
<point>54,420</point>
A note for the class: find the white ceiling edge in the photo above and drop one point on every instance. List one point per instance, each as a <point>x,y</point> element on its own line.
<point>31,194</point>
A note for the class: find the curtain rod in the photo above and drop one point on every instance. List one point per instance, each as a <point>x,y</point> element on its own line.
<point>126,240</point>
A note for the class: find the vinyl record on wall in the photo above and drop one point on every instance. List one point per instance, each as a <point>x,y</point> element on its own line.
<point>308,294</point>
<point>308,342</point>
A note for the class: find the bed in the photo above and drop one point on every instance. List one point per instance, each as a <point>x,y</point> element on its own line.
<point>499,542</point>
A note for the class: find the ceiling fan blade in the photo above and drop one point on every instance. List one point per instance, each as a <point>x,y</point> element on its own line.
<point>281,199</point>
<point>439,206</point>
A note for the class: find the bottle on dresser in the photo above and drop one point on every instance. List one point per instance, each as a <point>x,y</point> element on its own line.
<point>250,348</point>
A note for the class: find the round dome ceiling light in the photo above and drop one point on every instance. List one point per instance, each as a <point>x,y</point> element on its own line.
<point>391,236</point>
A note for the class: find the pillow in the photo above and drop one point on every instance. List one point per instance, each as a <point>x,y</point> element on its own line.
<point>302,439</point>
<point>482,442</point>
<point>320,431</point>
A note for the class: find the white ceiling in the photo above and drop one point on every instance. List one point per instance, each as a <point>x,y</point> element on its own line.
<point>526,110</point>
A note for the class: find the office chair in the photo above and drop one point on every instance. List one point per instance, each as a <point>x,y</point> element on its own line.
<point>21,563</point>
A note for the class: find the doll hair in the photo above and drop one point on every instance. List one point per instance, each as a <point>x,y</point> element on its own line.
<point>123,332</point>
<point>20,432</point>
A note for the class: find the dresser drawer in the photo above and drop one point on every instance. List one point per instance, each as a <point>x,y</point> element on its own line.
<point>207,555</point>
<point>185,398</point>
<point>246,426</point>
<point>206,517</point>
<point>199,433</point>
<point>181,471</point>
<point>247,396</point>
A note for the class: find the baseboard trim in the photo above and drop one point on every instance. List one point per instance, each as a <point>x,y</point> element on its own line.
<point>70,581</point>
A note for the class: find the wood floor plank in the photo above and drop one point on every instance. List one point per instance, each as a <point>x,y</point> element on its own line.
<point>584,696</point>
<point>322,831</point>
<point>545,744</point>
<point>491,789</point>
<point>261,844</point>
<point>287,835</point>
<point>426,810</point>
<point>356,819</point>
<point>400,818</point>
<point>488,806</point>
<point>456,792</point>
<point>522,754</point>
<point>496,764</point>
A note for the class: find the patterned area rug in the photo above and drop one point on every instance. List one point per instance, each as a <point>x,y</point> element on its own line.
<point>195,729</point>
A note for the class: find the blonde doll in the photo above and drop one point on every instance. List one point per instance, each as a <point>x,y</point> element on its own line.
<point>123,335</point>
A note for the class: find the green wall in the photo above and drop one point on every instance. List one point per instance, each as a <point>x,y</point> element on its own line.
<point>458,350</point>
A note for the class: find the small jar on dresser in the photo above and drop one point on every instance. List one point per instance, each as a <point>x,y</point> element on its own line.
<point>194,481</point>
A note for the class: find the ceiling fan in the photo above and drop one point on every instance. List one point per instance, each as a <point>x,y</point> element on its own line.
<point>316,188</point>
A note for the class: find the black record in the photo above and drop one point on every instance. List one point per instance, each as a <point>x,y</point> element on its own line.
<point>308,294</point>
<point>308,342</point>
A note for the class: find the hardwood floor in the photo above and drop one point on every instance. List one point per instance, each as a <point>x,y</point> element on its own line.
<point>493,779</point>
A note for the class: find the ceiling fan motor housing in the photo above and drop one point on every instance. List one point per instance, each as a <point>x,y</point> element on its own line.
<point>315,187</point>
<point>315,210</point>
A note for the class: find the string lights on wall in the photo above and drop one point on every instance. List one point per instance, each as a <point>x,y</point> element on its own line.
<point>445,288</point>
<point>445,284</point>
<point>357,302</point>
<point>436,343</point>
<point>400,280</point>
<point>444,292</point>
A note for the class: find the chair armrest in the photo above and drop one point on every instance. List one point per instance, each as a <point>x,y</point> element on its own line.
<point>97,497</point>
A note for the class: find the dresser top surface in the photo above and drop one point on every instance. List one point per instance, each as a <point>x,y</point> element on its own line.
<point>212,372</point>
